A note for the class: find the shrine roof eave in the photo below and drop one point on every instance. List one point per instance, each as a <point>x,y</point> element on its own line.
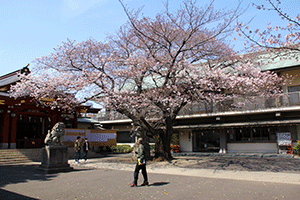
<point>13,77</point>
<point>4,94</point>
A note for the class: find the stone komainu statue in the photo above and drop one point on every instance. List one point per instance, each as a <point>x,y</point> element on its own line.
<point>56,136</point>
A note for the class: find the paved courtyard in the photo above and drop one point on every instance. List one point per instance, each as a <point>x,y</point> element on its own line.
<point>182,178</point>
<point>269,163</point>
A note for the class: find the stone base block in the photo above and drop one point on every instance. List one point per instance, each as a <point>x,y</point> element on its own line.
<point>55,159</point>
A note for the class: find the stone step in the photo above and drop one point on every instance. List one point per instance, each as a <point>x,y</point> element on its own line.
<point>15,162</point>
<point>14,159</point>
<point>12,156</point>
<point>27,155</point>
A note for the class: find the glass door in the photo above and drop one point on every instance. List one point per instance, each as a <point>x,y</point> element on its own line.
<point>206,141</point>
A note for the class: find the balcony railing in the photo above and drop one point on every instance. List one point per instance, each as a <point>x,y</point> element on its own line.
<point>235,105</point>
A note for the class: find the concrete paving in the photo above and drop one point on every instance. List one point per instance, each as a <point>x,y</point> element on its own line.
<point>23,182</point>
<point>290,177</point>
<point>182,178</point>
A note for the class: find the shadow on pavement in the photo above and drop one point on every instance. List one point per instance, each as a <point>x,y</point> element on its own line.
<point>7,195</point>
<point>11,174</point>
<point>159,183</point>
<point>245,164</point>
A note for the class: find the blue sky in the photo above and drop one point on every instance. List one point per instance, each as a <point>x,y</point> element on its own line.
<point>32,28</point>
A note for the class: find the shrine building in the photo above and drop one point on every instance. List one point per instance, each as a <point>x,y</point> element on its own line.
<point>23,122</point>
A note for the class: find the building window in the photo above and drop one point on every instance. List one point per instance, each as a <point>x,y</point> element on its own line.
<point>253,134</point>
<point>124,137</point>
<point>243,134</point>
<point>260,134</point>
<point>294,95</point>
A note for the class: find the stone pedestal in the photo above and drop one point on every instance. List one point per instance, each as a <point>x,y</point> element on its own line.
<point>55,159</point>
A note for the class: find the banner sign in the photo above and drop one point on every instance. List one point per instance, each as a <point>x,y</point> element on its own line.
<point>284,139</point>
<point>96,137</point>
<point>75,132</point>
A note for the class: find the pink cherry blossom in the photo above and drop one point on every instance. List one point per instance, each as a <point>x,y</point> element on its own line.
<point>151,69</point>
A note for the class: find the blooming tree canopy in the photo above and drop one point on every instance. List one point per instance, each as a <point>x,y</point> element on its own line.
<point>274,38</point>
<point>151,69</point>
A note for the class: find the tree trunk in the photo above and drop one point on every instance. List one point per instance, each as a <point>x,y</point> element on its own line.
<point>162,146</point>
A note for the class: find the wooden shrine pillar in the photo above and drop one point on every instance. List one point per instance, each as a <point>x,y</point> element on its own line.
<point>13,131</point>
<point>5,130</point>
<point>75,120</point>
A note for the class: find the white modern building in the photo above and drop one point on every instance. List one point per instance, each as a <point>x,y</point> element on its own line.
<point>265,126</point>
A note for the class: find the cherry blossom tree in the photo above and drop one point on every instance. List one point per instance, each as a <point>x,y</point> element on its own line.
<point>274,38</point>
<point>151,69</point>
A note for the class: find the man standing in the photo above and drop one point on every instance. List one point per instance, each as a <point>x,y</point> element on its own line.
<point>141,165</point>
<point>77,148</point>
<point>85,148</point>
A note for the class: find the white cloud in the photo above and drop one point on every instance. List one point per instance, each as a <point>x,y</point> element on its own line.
<point>73,8</point>
<point>73,5</point>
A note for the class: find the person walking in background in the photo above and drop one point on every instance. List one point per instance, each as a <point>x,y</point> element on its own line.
<point>141,165</point>
<point>77,148</point>
<point>85,148</point>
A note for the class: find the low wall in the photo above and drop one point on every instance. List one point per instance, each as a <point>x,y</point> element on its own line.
<point>251,147</point>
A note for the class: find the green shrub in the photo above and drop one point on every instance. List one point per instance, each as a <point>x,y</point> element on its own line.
<point>175,139</point>
<point>297,148</point>
<point>122,149</point>
<point>152,149</point>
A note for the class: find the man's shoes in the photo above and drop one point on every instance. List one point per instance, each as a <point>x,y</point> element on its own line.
<point>144,184</point>
<point>132,185</point>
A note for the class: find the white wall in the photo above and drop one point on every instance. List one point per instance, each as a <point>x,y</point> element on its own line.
<point>186,141</point>
<point>252,147</point>
<point>298,132</point>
